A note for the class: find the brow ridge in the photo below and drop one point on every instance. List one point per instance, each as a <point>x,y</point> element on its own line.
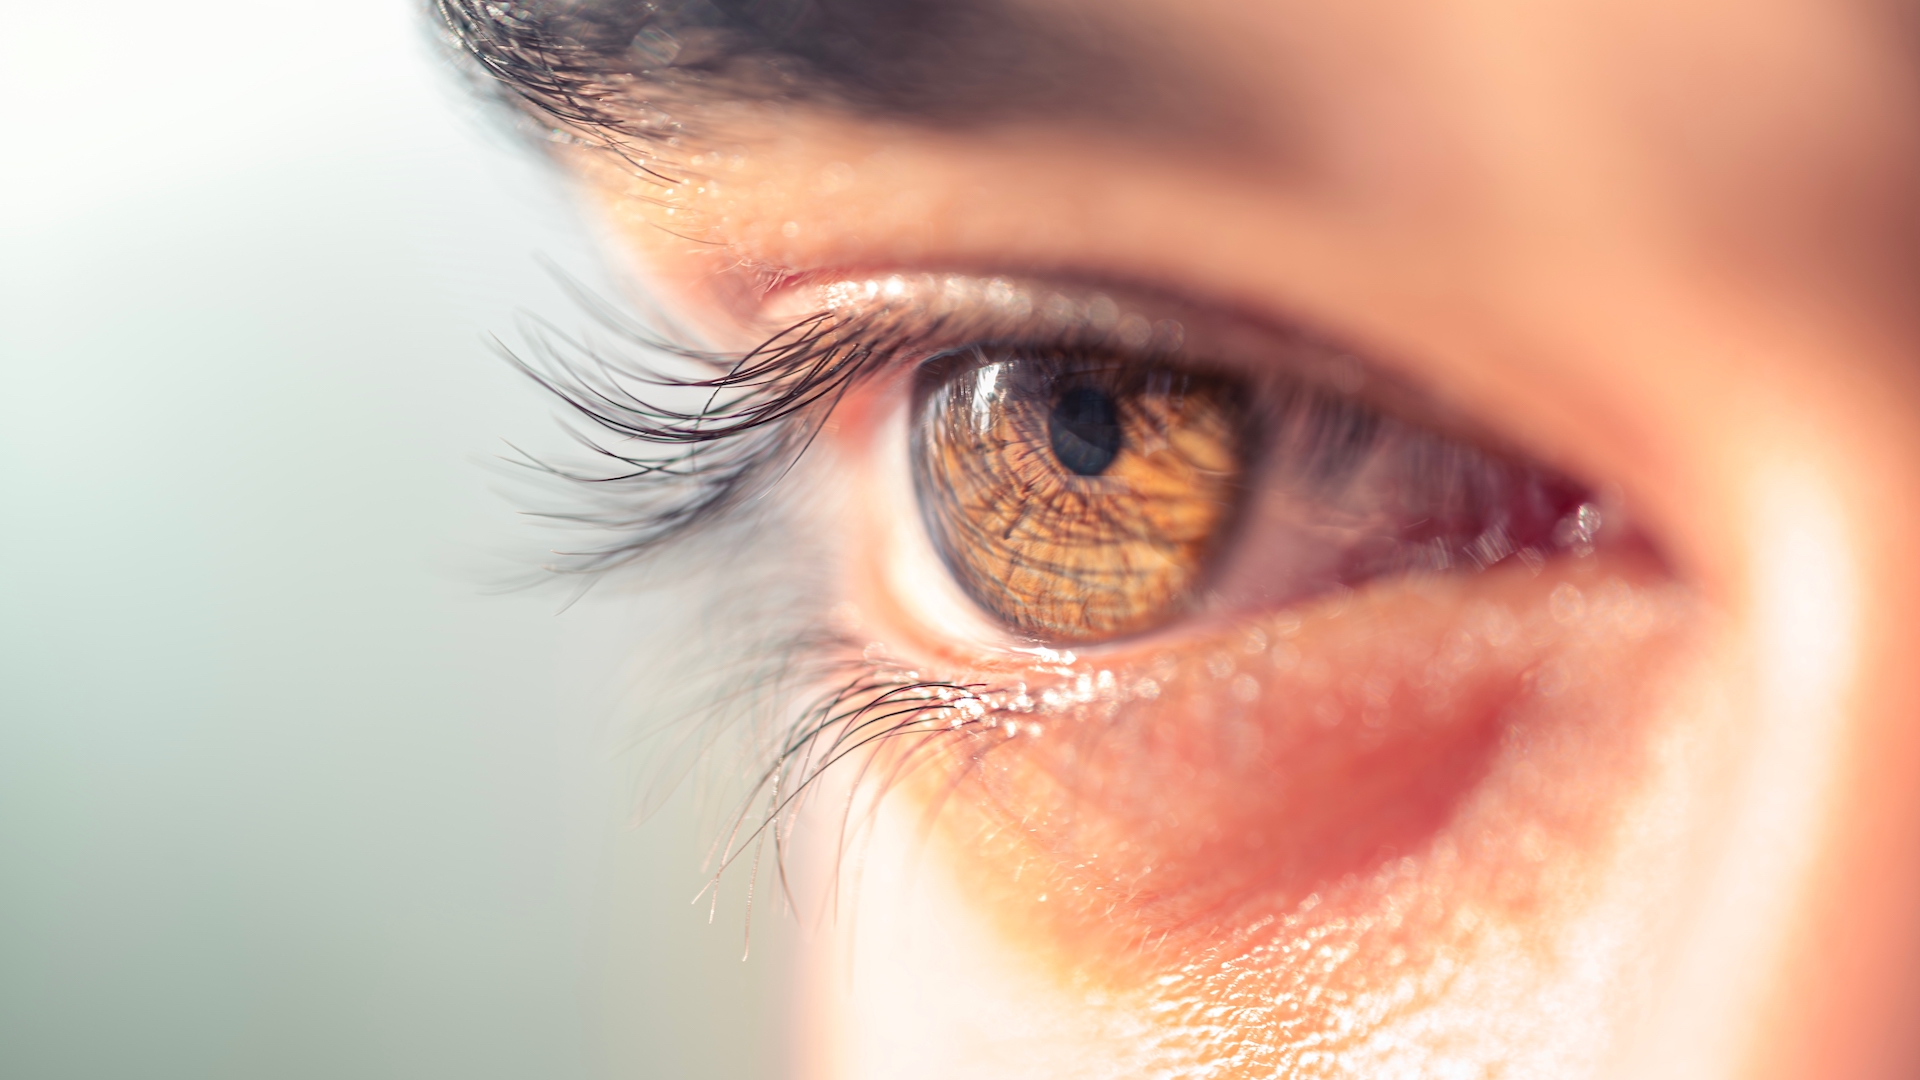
<point>640,68</point>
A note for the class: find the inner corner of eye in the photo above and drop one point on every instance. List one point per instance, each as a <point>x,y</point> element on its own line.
<point>1079,497</point>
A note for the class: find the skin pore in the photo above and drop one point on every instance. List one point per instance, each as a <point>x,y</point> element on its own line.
<point>1655,817</point>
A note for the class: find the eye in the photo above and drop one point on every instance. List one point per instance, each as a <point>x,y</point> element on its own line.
<point>1077,498</point>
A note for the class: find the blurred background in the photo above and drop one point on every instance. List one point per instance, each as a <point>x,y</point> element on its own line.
<point>285,790</point>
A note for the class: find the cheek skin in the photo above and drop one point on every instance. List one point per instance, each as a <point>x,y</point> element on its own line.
<point>1235,776</point>
<point>1338,842</point>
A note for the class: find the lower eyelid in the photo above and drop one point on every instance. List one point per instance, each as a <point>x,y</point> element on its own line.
<point>1394,740</point>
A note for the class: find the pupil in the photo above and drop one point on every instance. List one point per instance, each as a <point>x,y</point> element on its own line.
<point>1085,430</point>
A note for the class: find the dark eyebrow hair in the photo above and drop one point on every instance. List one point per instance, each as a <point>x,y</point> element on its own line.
<point>630,68</point>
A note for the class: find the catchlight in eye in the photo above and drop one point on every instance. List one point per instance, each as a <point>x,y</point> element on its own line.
<point>1081,497</point>
<point>1077,498</point>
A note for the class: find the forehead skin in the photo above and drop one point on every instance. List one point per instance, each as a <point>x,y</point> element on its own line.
<point>1666,244</point>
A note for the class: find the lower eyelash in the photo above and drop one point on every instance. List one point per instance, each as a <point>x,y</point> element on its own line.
<point>871,706</point>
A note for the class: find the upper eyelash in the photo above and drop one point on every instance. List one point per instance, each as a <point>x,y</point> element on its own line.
<point>759,409</point>
<point>756,414</point>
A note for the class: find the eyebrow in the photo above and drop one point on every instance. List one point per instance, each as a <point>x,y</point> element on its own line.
<point>634,68</point>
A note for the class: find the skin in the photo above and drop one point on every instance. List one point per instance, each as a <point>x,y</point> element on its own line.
<point>1664,247</point>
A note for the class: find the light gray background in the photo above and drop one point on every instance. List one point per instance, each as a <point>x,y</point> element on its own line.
<point>283,792</point>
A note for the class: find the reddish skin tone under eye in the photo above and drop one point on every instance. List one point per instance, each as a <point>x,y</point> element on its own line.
<point>1354,774</point>
<point>1269,765</point>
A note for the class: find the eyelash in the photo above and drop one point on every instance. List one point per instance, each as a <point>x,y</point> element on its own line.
<point>760,409</point>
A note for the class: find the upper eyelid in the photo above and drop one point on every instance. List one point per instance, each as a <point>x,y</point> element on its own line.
<point>664,470</point>
<point>1145,325</point>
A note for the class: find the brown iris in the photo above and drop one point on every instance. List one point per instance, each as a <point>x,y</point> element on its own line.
<point>1076,497</point>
